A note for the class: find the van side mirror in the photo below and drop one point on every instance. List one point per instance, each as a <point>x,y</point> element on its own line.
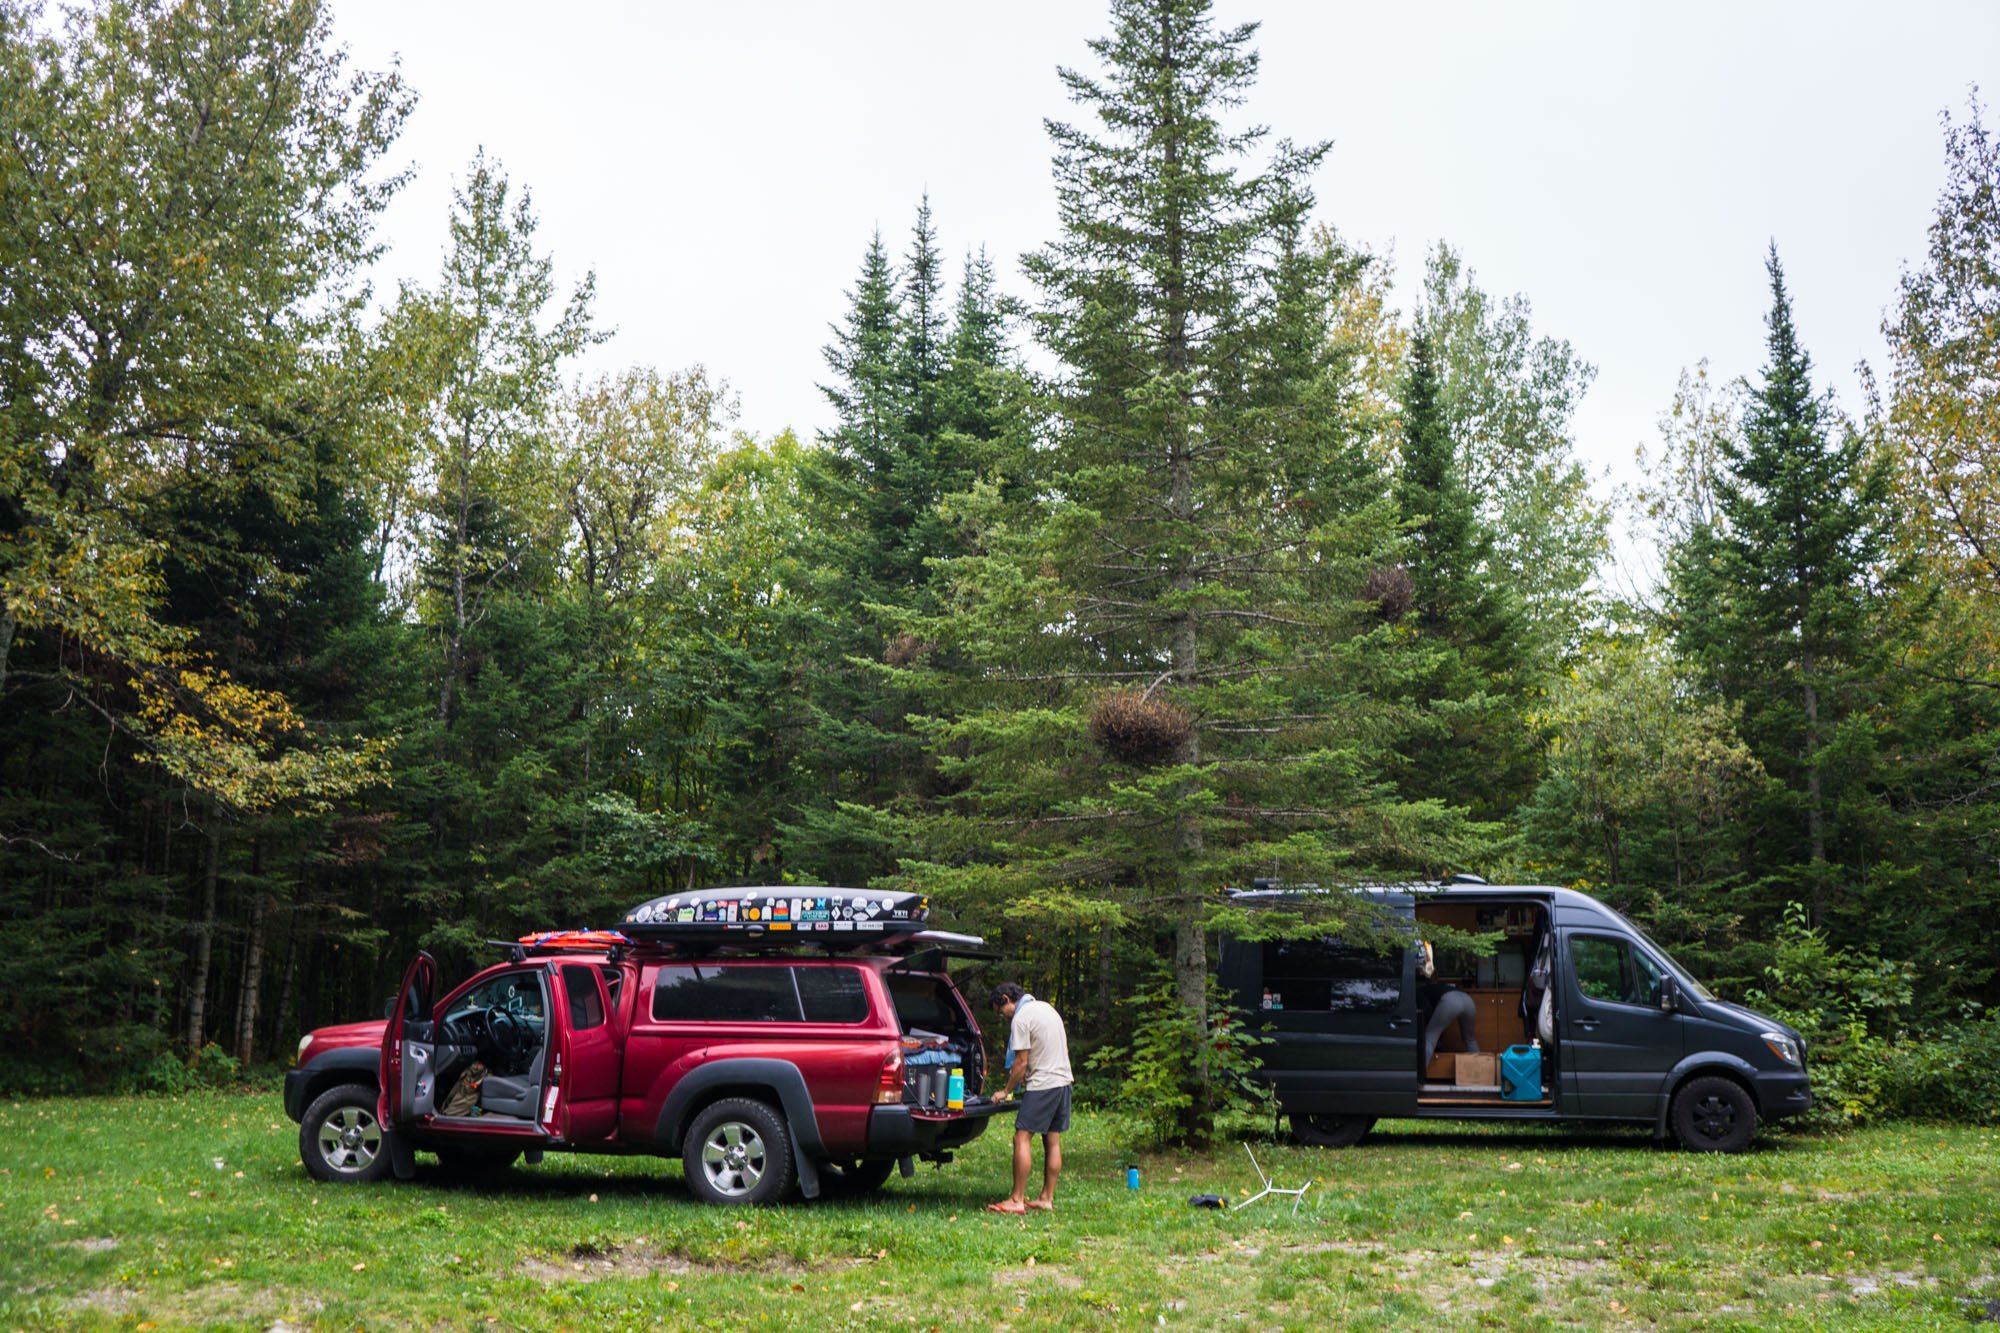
<point>1670,995</point>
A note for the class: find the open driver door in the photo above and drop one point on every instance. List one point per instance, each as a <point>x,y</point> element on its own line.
<point>407,1075</point>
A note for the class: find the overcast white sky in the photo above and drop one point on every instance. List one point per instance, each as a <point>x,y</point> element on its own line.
<point>722,165</point>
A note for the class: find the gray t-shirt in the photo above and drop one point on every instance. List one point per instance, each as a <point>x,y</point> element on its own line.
<point>1038,1031</point>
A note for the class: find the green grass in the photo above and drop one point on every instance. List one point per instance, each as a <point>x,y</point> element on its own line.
<point>130,1213</point>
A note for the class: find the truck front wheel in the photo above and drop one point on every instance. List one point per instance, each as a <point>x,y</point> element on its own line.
<point>738,1151</point>
<point>340,1138</point>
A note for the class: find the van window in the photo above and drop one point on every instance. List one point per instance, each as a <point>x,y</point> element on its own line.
<point>1611,970</point>
<point>1329,976</point>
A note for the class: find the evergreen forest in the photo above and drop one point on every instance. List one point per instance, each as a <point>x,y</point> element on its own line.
<point>1198,546</point>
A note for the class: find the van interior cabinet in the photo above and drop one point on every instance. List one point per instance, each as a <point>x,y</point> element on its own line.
<point>1497,1023</point>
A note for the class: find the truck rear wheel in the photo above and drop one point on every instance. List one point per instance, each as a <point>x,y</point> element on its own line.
<point>340,1138</point>
<point>1331,1131</point>
<point>851,1176</point>
<point>1713,1114</point>
<point>738,1151</point>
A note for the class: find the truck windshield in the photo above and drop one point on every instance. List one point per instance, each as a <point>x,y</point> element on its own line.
<point>1681,974</point>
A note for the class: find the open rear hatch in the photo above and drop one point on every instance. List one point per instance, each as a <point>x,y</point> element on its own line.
<point>939,1035</point>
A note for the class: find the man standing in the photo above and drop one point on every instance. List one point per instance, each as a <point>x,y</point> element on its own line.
<point>1039,1059</point>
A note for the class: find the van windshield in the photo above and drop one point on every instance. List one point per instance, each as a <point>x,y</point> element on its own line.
<point>1681,974</point>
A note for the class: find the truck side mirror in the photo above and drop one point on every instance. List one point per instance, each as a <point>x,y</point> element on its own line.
<point>1670,995</point>
<point>389,1007</point>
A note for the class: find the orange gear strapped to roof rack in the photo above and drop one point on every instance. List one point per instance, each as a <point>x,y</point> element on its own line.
<point>590,941</point>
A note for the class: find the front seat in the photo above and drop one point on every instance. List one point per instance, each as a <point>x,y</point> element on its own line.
<point>506,1094</point>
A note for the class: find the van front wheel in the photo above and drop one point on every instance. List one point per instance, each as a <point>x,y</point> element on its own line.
<point>1331,1131</point>
<point>1714,1114</point>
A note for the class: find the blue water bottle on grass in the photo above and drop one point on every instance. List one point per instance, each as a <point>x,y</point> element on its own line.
<point>1131,1177</point>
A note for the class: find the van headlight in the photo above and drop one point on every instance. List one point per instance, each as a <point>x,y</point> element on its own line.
<point>304,1042</point>
<point>1783,1047</point>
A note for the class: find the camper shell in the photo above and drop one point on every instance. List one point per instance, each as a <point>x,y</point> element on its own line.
<point>1577,1015</point>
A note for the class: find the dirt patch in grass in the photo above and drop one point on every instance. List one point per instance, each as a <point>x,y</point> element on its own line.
<point>203,1304</point>
<point>1017,1277</point>
<point>590,1263</point>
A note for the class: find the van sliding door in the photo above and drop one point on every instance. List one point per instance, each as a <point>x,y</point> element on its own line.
<point>1342,1018</point>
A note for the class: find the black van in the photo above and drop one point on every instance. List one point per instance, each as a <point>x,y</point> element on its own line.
<point>1577,1015</point>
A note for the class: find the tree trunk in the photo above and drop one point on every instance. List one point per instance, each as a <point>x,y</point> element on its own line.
<point>288,990</point>
<point>6,642</point>
<point>253,981</point>
<point>204,938</point>
<point>1815,810</point>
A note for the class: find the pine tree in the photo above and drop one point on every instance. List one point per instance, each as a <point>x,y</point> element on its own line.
<point>1780,600</point>
<point>1155,687</point>
<point>1472,746</point>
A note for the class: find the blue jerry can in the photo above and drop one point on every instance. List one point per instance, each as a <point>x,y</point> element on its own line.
<point>1521,1073</point>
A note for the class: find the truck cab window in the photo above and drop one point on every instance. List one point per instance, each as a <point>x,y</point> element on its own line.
<point>586,1002</point>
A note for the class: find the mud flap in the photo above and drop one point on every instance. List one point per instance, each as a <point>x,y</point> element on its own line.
<point>402,1157</point>
<point>808,1169</point>
<point>908,1166</point>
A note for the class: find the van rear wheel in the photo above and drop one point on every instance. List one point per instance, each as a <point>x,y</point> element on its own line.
<point>1714,1114</point>
<point>1331,1131</point>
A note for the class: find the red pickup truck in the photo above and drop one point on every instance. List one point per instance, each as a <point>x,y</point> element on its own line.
<point>759,1070</point>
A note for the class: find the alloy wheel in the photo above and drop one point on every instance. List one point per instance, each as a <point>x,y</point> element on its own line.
<point>733,1158</point>
<point>349,1139</point>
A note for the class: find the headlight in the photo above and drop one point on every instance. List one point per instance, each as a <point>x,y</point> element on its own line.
<point>304,1042</point>
<point>1783,1047</point>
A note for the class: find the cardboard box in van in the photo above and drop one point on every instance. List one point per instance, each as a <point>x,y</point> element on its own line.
<point>1476,1069</point>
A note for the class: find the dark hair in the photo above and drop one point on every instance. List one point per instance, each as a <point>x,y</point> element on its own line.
<point>1007,992</point>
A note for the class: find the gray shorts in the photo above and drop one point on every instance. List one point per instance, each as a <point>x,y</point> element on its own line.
<point>1044,1112</point>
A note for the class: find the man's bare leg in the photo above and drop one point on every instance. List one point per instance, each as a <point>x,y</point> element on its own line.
<point>1051,1168</point>
<point>1023,1159</point>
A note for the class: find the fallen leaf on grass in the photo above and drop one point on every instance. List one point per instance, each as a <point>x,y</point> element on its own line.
<point>359,1267</point>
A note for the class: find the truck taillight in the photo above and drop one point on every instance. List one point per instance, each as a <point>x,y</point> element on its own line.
<point>889,1088</point>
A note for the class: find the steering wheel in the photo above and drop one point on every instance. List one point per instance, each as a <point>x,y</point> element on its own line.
<point>505,1029</point>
